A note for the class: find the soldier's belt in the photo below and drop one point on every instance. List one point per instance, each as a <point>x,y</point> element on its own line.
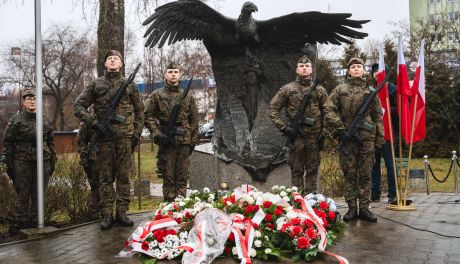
<point>178,123</point>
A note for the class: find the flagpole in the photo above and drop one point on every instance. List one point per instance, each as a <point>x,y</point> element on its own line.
<point>410,148</point>
<point>400,147</point>
<point>390,125</point>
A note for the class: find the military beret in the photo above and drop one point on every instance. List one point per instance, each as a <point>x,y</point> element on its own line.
<point>113,53</point>
<point>172,65</point>
<point>28,92</point>
<point>355,61</point>
<point>304,59</point>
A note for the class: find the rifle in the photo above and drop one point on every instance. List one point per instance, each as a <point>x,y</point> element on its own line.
<point>352,129</point>
<point>110,113</point>
<point>297,123</point>
<point>171,128</point>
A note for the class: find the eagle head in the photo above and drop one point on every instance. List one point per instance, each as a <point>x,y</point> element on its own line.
<point>249,8</point>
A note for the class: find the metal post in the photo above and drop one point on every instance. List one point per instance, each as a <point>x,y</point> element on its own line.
<point>39,114</point>
<point>454,160</point>
<point>425,162</point>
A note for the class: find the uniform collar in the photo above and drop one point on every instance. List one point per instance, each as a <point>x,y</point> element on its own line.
<point>112,75</point>
<point>28,114</point>
<point>303,81</point>
<point>356,81</point>
<point>172,88</point>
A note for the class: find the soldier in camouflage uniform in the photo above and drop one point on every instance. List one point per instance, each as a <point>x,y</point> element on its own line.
<point>304,156</point>
<point>19,147</point>
<point>172,154</point>
<point>88,161</point>
<point>355,160</point>
<point>114,149</point>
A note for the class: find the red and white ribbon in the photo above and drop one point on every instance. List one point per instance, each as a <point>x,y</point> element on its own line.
<point>198,248</point>
<point>244,242</point>
<point>308,212</point>
<point>145,229</point>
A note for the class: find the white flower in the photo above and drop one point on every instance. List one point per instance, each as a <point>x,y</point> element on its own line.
<point>283,194</point>
<point>294,189</point>
<point>195,192</point>
<point>253,252</point>
<point>312,202</point>
<point>258,243</point>
<point>181,203</point>
<point>257,233</point>
<point>275,188</point>
<point>287,199</point>
<point>197,199</point>
<point>282,188</point>
<point>234,251</point>
<point>268,250</point>
<point>291,215</point>
<point>228,203</point>
<point>288,190</point>
<point>266,237</point>
<point>333,207</point>
<point>320,197</point>
<point>206,190</point>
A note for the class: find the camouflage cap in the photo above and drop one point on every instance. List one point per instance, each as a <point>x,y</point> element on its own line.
<point>355,60</point>
<point>304,59</point>
<point>172,65</point>
<point>113,53</point>
<point>28,92</point>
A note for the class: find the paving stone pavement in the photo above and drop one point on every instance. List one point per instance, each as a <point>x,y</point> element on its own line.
<point>382,242</point>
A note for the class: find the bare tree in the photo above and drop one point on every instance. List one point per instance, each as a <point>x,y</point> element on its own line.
<point>67,67</point>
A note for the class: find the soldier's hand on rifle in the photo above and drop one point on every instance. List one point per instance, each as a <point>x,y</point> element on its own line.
<point>321,139</point>
<point>341,134</point>
<point>289,132</point>
<point>99,128</point>
<point>160,139</point>
<point>134,142</point>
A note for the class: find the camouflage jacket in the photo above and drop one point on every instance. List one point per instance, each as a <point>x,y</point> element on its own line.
<point>158,109</point>
<point>343,104</point>
<point>99,94</point>
<point>290,96</point>
<point>20,138</point>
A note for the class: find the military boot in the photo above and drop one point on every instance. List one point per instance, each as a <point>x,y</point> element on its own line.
<point>123,219</point>
<point>107,221</point>
<point>366,215</point>
<point>352,212</point>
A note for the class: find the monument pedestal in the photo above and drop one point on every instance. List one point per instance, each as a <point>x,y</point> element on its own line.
<point>206,170</point>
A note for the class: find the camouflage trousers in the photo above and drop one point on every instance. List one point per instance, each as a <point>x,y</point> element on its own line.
<point>113,162</point>
<point>173,164</point>
<point>356,163</point>
<point>92,173</point>
<point>25,185</point>
<point>304,159</point>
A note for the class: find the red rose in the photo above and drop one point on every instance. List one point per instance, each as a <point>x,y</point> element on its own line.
<point>187,215</point>
<point>315,210</point>
<point>271,226</point>
<point>171,232</point>
<point>296,230</point>
<point>227,250</point>
<point>178,220</point>
<point>268,217</point>
<point>310,232</point>
<point>321,214</point>
<point>309,223</point>
<point>248,209</point>
<point>278,212</point>
<point>323,205</point>
<point>325,222</point>
<point>295,221</point>
<point>255,226</point>
<point>267,204</point>
<point>232,198</point>
<point>303,242</point>
<point>145,245</point>
<point>126,244</point>
<point>331,215</point>
<point>231,237</point>
<point>255,208</point>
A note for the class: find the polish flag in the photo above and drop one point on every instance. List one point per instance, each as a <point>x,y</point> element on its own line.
<point>383,95</point>
<point>418,88</point>
<point>404,92</point>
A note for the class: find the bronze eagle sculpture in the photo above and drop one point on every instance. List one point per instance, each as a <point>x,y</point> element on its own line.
<point>251,60</point>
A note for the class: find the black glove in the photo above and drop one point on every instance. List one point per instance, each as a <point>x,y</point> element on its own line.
<point>289,132</point>
<point>134,142</point>
<point>52,165</point>
<point>160,139</point>
<point>321,139</point>
<point>10,168</point>
<point>99,128</point>
<point>192,147</point>
<point>341,134</point>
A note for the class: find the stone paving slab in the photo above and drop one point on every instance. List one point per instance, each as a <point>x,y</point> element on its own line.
<point>382,242</point>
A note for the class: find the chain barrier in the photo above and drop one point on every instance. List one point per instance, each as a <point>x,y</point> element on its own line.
<point>445,178</point>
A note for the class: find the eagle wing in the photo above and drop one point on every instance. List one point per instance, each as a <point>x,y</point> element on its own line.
<point>188,20</point>
<point>313,27</point>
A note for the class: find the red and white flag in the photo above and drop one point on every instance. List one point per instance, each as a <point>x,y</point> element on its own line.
<point>418,88</point>
<point>404,92</point>
<point>383,95</point>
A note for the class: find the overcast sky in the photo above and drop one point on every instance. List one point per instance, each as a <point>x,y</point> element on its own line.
<point>17,20</point>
